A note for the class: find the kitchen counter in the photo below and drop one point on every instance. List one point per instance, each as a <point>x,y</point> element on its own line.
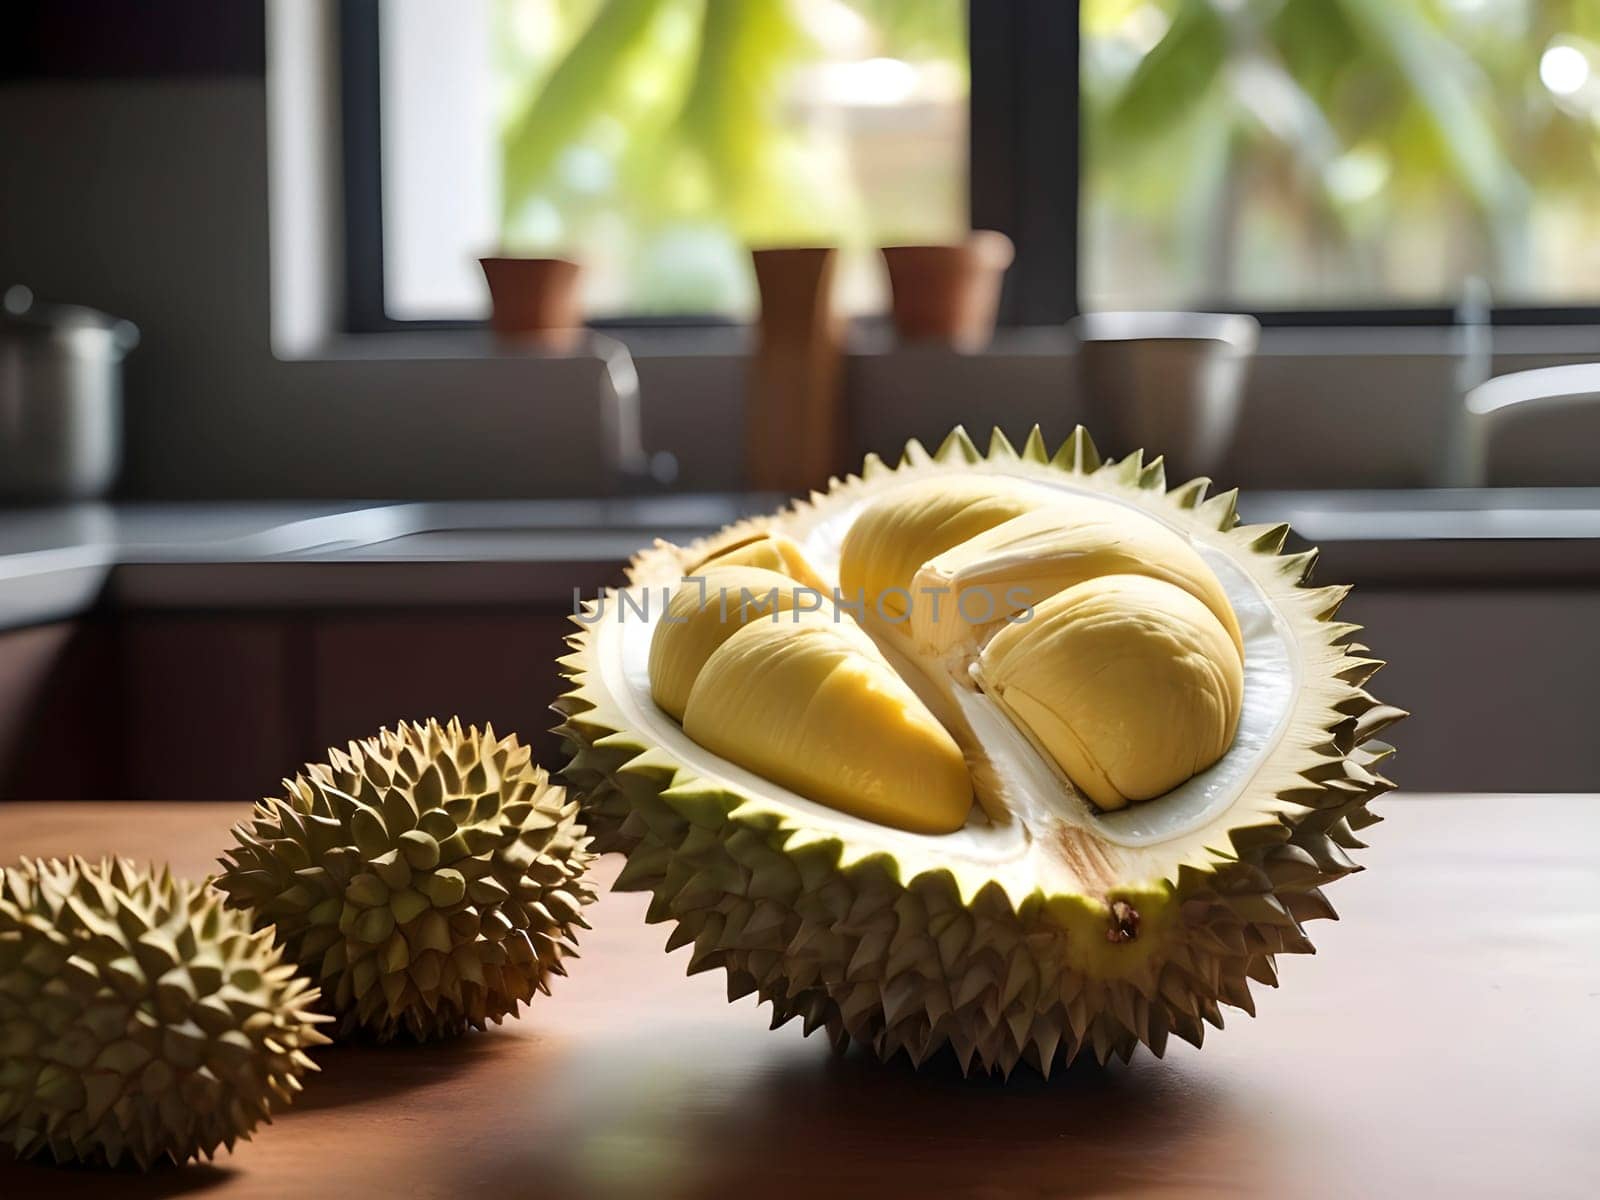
<point>57,562</point>
<point>1440,1043</point>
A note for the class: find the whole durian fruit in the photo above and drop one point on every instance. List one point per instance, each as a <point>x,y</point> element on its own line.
<point>430,878</point>
<point>139,1018</point>
<point>1056,760</point>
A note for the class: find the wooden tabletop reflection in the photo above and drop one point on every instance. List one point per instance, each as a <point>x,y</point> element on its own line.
<point>1442,1042</point>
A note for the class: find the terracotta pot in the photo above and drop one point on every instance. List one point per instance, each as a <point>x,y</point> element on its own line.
<point>535,300</point>
<point>948,294</point>
<point>794,426</point>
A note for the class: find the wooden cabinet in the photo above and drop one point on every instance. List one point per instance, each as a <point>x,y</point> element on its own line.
<point>201,706</point>
<point>483,665</point>
<point>212,708</point>
<point>1501,684</point>
<point>59,699</point>
<point>220,706</point>
<point>28,662</point>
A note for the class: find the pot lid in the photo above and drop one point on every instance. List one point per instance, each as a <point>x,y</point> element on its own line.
<point>22,315</point>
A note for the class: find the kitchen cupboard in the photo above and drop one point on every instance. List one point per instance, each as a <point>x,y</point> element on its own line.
<point>202,706</point>
<point>219,705</point>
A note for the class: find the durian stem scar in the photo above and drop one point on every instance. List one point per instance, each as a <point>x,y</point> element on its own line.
<point>1124,925</point>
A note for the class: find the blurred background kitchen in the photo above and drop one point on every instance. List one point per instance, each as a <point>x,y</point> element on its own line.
<point>270,479</point>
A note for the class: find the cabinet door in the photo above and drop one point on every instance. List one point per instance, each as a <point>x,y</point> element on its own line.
<point>27,657</point>
<point>59,697</point>
<point>1500,684</point>
<point>483,665</point>
<point>210,710</point>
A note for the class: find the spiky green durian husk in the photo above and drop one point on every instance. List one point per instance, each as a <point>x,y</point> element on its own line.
<point>430,878</point>
<point>908,955</point>
<point>139,1018</point>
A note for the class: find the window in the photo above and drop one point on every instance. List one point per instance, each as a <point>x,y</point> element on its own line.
<point>656,139</point>
<point>1319,161</point>
<point>1340,154</point>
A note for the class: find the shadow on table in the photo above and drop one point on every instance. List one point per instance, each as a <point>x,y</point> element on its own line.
<point>688,1116</point>
<point>352,1076</point>
<point>26,1180</point>
<point>360,1073</point>
<point>889,1128</point>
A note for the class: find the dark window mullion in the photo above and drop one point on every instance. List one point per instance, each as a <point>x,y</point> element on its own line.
<point>361,147</point>
<point>1024,148</point>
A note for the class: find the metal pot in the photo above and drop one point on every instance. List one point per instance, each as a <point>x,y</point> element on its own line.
<point>1170,382</point>
<point>60,399</point>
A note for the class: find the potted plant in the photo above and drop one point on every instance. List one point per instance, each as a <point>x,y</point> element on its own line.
<point>534,301</point>
<point>948,294</point>
<point>794,415</point>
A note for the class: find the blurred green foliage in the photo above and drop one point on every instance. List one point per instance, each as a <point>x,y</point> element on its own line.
<point>658,138</point>
<point>1253,153</point>
<point>1310,152</point>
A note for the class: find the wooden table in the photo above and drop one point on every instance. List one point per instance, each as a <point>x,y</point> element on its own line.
<point>1445,1041</point>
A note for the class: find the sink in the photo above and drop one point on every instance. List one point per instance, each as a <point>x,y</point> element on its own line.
<point>468,530</point>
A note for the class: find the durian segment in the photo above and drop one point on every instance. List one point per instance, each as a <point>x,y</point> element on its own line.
<point>893,537</point>
<point>705,611</point>
<point>810,704</point>
<point>770,552</point>
<point>999,573</point>
<point>429,877</point>
<point>1129,684</point>
<point>140,1020</point>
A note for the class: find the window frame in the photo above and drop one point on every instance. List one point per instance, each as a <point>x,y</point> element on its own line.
<point>1024,147</point>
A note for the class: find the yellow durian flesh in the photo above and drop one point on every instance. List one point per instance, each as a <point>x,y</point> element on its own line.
<point>1017,548</point>
<point>891,539</point>
<point>811,704</point>
<point>1011,566</point>
<point>1128,683</point>
<point>771,552</point>
<point>705,611</point>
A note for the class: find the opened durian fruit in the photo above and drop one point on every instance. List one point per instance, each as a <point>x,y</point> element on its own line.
<point>1019,752</point>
